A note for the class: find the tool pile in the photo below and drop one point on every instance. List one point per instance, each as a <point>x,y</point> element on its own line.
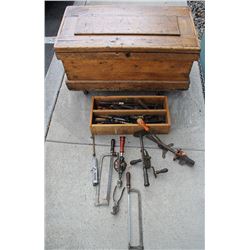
<point>117,161</point>
<point>127,104</point>
<point>118,114</point>
<point>124,119</point>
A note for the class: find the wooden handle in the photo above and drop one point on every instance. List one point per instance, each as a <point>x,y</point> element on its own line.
<point>161,171</point>
<point>133,162</point>
<point>143,124</point>
<point>122,143</point>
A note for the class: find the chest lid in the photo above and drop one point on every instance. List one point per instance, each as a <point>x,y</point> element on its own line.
<point>127,28</point>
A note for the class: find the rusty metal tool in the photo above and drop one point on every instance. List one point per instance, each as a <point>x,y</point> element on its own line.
<point>132,190</point>
<point>115,208</point>
<point>146,161</point>
<point>180,155</point>
<point>94,169</point>
<point>105,201</point>
<point>125,104</point>
<point>119,166</point>
<point>125,119</point>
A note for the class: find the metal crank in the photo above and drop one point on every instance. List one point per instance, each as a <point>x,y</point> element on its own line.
<point>164,151</point>
<point>146,160</point>
<point>119,166</point>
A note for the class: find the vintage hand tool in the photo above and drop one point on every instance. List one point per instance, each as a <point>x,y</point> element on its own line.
<point>111,119</point>
<point>146,161</point>
<point>94,169</point>
<point>115,208</point>
<point>105,119</point>
<point>180,155</point>
<point>132,190</point>
<point>125,104</point>
<point>105,201</point>
<point>119,166</point>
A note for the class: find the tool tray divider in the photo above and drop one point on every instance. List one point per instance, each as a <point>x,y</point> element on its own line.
<point>129,128</point>
<point>129,112</point>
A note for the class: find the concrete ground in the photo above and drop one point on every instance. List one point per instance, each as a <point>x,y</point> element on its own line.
<point>173,205</point>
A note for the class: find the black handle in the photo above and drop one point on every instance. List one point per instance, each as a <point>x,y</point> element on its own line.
<point>188,161</point>
<point>145,175</point>
<point>161,171</point>
<point>133,162</point>
<point>185,160</point>
<point>112,148</point>
<point>128,177</point>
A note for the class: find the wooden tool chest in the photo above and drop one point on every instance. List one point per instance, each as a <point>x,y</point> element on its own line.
<point>127,47</point>
<point>158,108</point>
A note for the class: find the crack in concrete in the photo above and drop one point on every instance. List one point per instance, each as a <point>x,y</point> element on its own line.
<point>53,109</point>
<point>107,145</point>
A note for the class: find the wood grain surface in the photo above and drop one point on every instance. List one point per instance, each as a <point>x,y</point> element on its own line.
<point>128,25</point>
<point>127,47</point>
<point>127,85</point>
<point>165,22</point>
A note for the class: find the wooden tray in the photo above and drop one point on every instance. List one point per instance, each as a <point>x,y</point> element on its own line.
<point>118,129</point>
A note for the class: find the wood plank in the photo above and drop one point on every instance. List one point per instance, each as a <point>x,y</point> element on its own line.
<point>147,99</point>
<point>122,9</point>
<point>187,44</point>
<point>126,69</point>
<point>91,110</point>
<point>100,24</point>
<point>146,56</point>
<point>122,129</point>
<point>129,112</point>
<point>127,85</point>
<point>168,119</point>
<point>186,41</point>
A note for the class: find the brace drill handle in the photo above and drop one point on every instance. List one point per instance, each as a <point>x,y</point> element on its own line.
<point>128,181</point>
<point>161,171</point>
<point>122,143</point>
<point>145,172</point>
<point>143,124</point>
<point>145,176</point>
<point>112,148</point>
<point>133,162</point>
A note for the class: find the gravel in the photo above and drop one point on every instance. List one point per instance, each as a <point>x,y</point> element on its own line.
<point>198,11</point>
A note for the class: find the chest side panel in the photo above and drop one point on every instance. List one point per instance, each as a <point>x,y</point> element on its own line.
<point>123,66</point>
